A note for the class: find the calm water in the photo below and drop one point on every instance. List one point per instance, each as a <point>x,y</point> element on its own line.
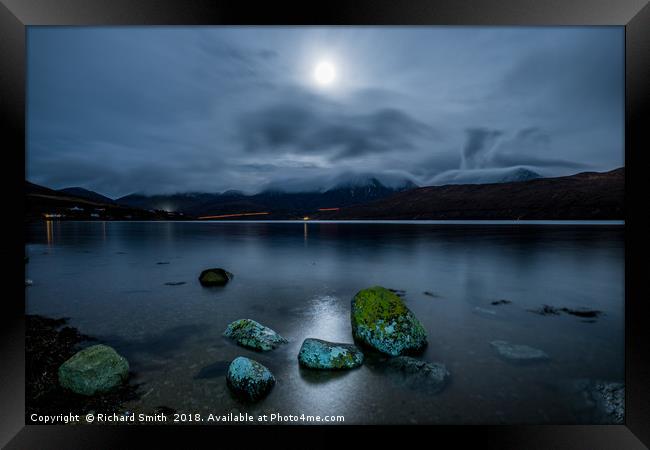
<point>299,278</point>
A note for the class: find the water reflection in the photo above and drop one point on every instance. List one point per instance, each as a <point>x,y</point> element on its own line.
<point>322,318</point>
<point>49,232</point>
<point>105,278</point>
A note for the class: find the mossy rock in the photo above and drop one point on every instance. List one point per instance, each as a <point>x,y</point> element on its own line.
<point>248,379</point>
<point>93,370</point>
<point>381,320</point>
<point>215,277</point>
<point>252,334</point>
<point>319,354</point>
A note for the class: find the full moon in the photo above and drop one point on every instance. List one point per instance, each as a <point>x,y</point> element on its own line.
<point>324,73</point>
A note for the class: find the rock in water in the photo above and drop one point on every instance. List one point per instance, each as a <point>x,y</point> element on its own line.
<point>518,352</point>
<point>381,320</point>
<point>249,379</point>
<point>93,370</point>
<point>594,401</point>
<point>424,374</point>
<point>610,399</point>
<point>249,333</point>
<point>215,277</point>
<point>546,310</point>
<point>501,302</point>
<point>319,354</point>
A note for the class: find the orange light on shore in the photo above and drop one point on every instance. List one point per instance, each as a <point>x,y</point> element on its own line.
<point>328,209</point>
<point>224,216</point>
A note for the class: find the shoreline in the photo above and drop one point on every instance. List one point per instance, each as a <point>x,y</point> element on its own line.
<point>373,222</point>
<point>48,343</point>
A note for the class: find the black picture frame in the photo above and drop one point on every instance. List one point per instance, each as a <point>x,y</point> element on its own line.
<point>634,15</point>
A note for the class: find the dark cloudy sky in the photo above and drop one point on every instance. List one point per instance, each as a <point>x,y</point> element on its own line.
<point>176,109</point>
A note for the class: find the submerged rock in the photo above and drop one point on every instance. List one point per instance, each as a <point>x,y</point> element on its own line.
<point>518,352</point>
<point>319,354</point>
<point>381,320</point>
<point>433,376</point>
<point>547,310</point>
<point>252,334</point>
<point>582,312</point>
<point>484,312</point>
<point>249,379</point>
<point>174,283</point>
<point>215,277</point>
<point>501,302</point>
<point>96,369</point>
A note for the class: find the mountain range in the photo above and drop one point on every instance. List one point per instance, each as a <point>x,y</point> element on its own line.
<point>276,201</point>
<point>517,194</point>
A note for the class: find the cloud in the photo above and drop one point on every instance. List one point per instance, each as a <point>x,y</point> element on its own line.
<point>326,180</point>
<point>296,128</point>
<point>488,148</point>
<point>210,109</point>
<point>477,147</point>
<point>481,176</point>
<point>534,134</point>
<point>514,159</point>
<point>574,79</point>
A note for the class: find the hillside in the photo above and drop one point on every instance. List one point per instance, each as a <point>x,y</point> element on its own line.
<point>88,195</point>
<point>584,196</point>
<point>41,202</point>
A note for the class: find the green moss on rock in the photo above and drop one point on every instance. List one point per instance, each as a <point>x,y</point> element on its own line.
<point>215,277</point>
<point>319,354</point>
<point>252,334</point>
<point>96,369</point>
<point>381,320</point>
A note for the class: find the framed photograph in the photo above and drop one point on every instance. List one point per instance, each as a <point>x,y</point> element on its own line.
<point>358,217</point>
